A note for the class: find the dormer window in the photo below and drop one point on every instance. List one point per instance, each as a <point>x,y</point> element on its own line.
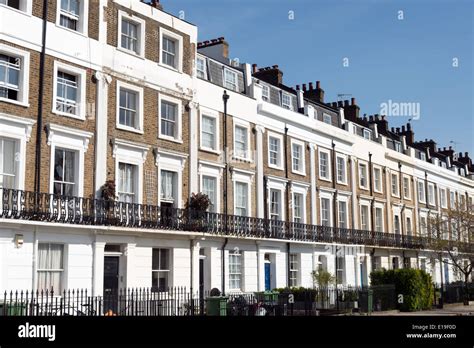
<point>423,156</point>
<point>265,93</point>
<point>367,134</point>
<point>327,119</point>
<point>286,101</point>
<point>230,79</point>
<point>397,146</point>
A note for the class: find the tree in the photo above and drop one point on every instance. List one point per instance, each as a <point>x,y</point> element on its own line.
<point>322,278</point>
<point>450,234</point>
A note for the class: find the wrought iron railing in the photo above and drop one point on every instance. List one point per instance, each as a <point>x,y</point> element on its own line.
<point>27,205</point>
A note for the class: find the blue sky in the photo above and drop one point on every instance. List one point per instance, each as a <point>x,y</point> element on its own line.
<point>409,60</point>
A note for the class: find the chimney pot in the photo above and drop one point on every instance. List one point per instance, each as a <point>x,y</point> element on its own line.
<point>398,130</point>
<point>334,105</point>
<point>371,118</point>
<point>311,86</point>
<point>403,129</point>
<point>297,87</point>
<point>275,66</point>
<point>346,102</point>
<point>409,126</point>
<point>304,87</point>
<point>254,68</point>
<point>383,117</point>
<point>221,38</point>
<point>466,154</point>
<point>318,84</point>
<point>393,130</point>
<point>339,103</point>
<point>450,148</point>
<point>353,101</point>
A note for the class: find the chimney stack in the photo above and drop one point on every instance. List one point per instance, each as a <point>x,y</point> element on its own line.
<point>254,68</point>
<point>315,94</point>
<point>351,112</point>
<point>273,75</point>
<point>156,4</point>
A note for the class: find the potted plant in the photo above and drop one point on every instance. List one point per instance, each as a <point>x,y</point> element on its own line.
<point>108,195</point>
<point>216,304</point>
<point>197,207</point>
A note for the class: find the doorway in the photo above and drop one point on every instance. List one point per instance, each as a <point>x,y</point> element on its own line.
<point>268,272</point>
<point>111,283</point>
<point>202,259</point>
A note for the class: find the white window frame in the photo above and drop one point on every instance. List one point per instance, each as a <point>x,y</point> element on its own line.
<point>172,162</point>
<point>328,169</point>
<point>422,156</point>
<point>344,161</point>
<point>26,7</point>
<point>18,129</point>
<point>81,89</point>
<point>301,189</point>
<point>294,271</point>
<point>204,60</point>
<point>279,164</point>
<point>379,170</point>
<point>381,207</point>
<point>366,134</point>
<point>419,184</point>
<point>452,199</point>
<point>246,125</point>
<point>326,118</point>
<point>360,166</point>
<point>179,119</point>
<point>346,216</point>
<point>406,177</point>
<point>366,205</point>
<point>265,96</point>
<point>63,275</point>
<point>141,34</point>
<point>160,270</point>
<point>131,153</point>
<point>215,116</point>
<point>225,71</point>
<point>179,45</point>
<point>328,196</point>
<point>24,77</point>
<point>140,111</point>
<point>240,274</point>
<point>443,197</point>
<point>277,185</point>
<point>70,139</point>
<point>408,216</point>
<point>285,105</point>
<point>397,194</point>
<point>302,170</point>
<point>431,198</point>
<point>83,21</point>
<point>135,183</point>
<point>212,171</point>
<point>245,178</point>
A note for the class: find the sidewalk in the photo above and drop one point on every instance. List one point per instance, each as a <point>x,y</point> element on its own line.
<point>449,309</point>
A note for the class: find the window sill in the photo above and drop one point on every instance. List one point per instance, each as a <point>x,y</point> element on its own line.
<point>275,166</point>
<point>206,149</point>
<point>130,52</point>
<point>129,129</point>
<point>15,102</point>
<point>179,71</point>
<point>28,14</point>
<point>77,32</point>
<point>365,188</point>
<point>174,140</point>
<point>378,191</point>
<point>244,159</point>
<point>302,173</point>
<point>407,198</point>
<point>325,179</point>
<point>341,182</point>
<point>394,195</point>
<point>65,114</point>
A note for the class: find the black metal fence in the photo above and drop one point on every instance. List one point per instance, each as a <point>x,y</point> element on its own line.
<point>181,302</point>
<point>455,292</point>
<point>27,205</point>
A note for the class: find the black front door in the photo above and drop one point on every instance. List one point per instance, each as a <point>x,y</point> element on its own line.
<point>201,285</point>
<point>111,283</point>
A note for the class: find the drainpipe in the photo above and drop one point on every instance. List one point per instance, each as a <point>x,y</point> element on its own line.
<point>39,128</point>
<point>225,98</point>
<point>223,265</point>
<point>288,199</point>
<point>334,177</point>
<point>371,188</point>
<point>288,250</point>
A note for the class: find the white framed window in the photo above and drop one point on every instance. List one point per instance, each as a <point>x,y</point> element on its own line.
<point>406,187</point>
<point>342,214</point>
<point>129,107</point>
<point>170,119</point>
<point>431,194</point>
<point>423,156</point>
<point>131,34</point>
<point>394,184</point>
<point>210,132</point>
<point>340,274</point>
<point>298,157</point>
<point>379,219</point>
<point>168,186</point>
<point>160,269</point>
<point>275,151</point>
<point>341,170</point>
<point>326,211</point>
<point>443,198</point>
<point>327,119</point>
<point>396,224</point>
<point>452,199</point>
<point>68,147</point>
<point>266,93</point>
<point>367,134</point>
<point>170,178</point>
<point>286,101</point>
<point>378,179</point>
<point>230,79</point>
<point>298,207</point>
<point>73,15</point>
<point>8,164</point>
<point>294,267</point>
<point>235,271</point>
<point>397,146</point>
<point>14,75</point>
<point>127,184</point>
<point>65,172</point>
<point>409,226</point>
<point>364,217</point>
<point>363,182</point>
<point>171,46</point>
<point>242,198</point>
<point>201,68</point>
<point>19,5</point>
<point>324,165</point>
<point>69,91</point>
<point>241,141</point>
<point>276,208</point>
<point>421,192</point>
<point>209,187</point>
<point>423,226</point>
<point>50,267</point>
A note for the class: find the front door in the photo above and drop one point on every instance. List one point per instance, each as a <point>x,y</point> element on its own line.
<point>268,278</point>
<point>111,283</point>
<point>201,282</point>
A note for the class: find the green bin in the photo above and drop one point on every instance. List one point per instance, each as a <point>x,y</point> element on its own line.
<point>12,309</point>
<point>216,306</point>
<point>366,300</point>
<point>267,296</point>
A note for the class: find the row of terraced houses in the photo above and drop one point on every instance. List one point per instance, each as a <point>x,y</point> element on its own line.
<point>119,91</point>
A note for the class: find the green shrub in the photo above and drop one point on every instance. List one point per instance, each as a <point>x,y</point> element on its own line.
<point>415,285</point>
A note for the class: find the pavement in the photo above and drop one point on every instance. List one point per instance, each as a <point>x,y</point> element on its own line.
<point>448,310</point>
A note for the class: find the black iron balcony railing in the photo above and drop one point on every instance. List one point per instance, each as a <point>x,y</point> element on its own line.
<point>27,205</point>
